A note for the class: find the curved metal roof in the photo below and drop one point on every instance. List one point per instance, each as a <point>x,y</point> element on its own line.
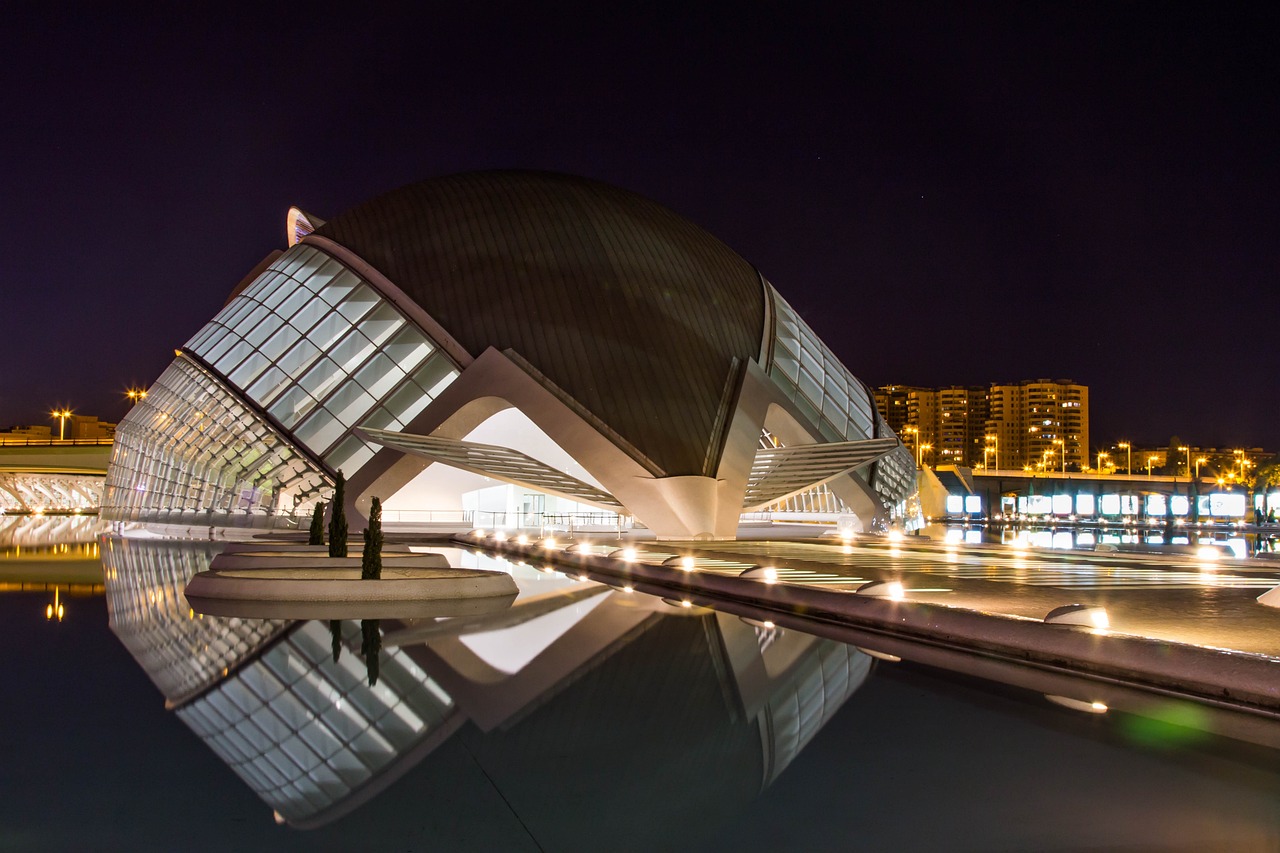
<point>635,312</point>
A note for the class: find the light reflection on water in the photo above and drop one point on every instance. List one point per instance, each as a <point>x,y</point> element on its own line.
<point>1179,539</point>
<point>585,718</point>
<point>309,729</point>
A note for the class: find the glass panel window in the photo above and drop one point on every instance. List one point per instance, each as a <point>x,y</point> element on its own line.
<point>269,326</point>
<point>350,455</point>
<point>322,276</point>
<point>274,296</point>
<point>328,330</point>
<point>294,259</point>
<point>352,350</point>
<point>810,387</point>
<point>338,289</point>
<point>380,419</point>
<point>299,358</point>
<point>358,304</point>
<point>320,430</point>
<point>248,370</point>
<point>408,348</point>
<point>280,342</point>
<point>259,284</point>
<point>349,403</point>
<point>407,402</point>
<point>380,324</point>
<point>219,347</point>
<point>380,375</point>
<point>236,310</point>
<point>251,319</point>
<point>296,300</point>
<point>435,375</point>
<point>307,314</point>
<point>321,378</point>
<point>233,356</point>
<point>292,406</point>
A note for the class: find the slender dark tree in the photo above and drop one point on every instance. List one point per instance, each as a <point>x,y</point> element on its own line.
<point>317,525</point>
<point>338,520</point>
<point>371,647</point>
<point>371,560</point>
<point>335,632</point>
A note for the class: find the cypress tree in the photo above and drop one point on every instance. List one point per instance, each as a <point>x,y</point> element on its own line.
<point>317,525</point>
<point>338,520</point>
<point>335,633</point>
<point>371,647</point>
<point>371,560</point>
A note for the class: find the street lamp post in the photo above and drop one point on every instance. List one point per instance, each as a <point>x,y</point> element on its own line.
<point>1200,460</point>
<point>920,448</point>
<point>1128,466</point>
<point>1187,450</point>
<point>137,395</point>
<point>62,415</point>
<point>1062,448</point>
<point>1102,454</point>
<point>915,431</point>
<point>994,441</point>
<point>1151,461</point>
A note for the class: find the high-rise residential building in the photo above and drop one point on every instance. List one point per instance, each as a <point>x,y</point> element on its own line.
<point>892,401</point>
<point>1031,423</point>
<point>962,424</point>
<point>1041,423</point>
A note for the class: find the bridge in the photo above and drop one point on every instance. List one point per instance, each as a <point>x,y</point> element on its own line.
<point>52,475</point>
<point>1082,494</point>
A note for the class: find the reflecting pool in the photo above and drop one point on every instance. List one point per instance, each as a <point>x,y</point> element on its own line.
<point>582,718</point>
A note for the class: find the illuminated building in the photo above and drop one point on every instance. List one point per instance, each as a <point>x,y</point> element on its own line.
<point>1009,426</point>
<point>1035,420</point>
<point>525,345</point>
<point>893,403</point>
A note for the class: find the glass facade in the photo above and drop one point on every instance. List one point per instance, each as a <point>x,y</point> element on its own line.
<point>828,675</point>
<point>833,399</point>
<point>180,650</point>
<point>304,732</point>
<point>319,351</point>
<point>192,453</point>
<point>322,352</point>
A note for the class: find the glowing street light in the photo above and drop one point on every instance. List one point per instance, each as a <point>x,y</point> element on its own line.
<point>137,395</point>
<point>1186,450</point>
<point>1200,460</point>
<point>1128,467</point>
<point>920,448</point>
<point>1062,446</point>
<point>994,441</point>
<point>1151,461</point>
<point>915,431</point>
<point>62,415</point>
<point>1101,456</point>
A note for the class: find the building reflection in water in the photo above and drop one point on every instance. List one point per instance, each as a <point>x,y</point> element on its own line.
<point>589,709</point>
<point>52,554</point>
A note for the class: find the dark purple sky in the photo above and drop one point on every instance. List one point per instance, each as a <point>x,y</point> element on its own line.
<point>950,193</point>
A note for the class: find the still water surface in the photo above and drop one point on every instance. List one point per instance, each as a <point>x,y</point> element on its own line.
<point>582,719</point>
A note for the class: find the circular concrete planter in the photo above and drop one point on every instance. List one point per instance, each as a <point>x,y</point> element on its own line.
<point>405,590</point>
<point>271,559</point>
<point>267,547</point>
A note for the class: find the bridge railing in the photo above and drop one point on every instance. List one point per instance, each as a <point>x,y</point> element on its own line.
<point>24,441</point>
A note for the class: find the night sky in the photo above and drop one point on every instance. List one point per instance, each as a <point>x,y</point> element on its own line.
<point>950,193</point>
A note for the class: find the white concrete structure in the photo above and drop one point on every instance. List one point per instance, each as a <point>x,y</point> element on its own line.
<point>521,344</point>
